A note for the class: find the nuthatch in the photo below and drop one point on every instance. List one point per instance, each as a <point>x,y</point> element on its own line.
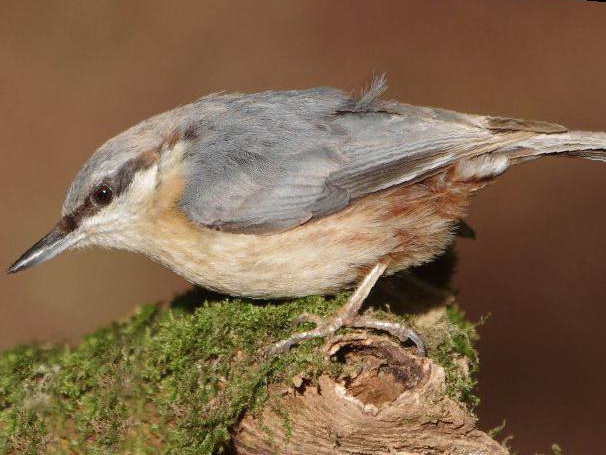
<point>293,193</point>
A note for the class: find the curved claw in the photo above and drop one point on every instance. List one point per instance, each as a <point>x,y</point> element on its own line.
<point>418,342</point>
<point>400,331</point>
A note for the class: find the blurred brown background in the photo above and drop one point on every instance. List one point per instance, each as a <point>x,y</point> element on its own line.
<point>74,73</point>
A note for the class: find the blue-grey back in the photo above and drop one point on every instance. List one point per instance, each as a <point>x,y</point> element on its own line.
<point>272,161</point>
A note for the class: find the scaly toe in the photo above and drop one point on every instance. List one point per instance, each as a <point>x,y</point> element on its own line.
<point>400,331</point>
<point>307,317</point>
<point>323,330</point>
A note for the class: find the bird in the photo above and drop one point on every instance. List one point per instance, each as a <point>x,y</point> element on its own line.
<point>283,194</point>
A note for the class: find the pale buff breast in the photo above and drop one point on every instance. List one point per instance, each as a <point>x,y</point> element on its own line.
<point>408,224</point>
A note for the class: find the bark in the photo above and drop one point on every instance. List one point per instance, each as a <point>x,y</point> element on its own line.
<point>393,402</point>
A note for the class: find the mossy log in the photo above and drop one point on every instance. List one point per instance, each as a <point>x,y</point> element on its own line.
<point>191,378</point>
<point>392,402</point>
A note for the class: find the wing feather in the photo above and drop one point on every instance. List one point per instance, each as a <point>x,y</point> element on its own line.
<point>269,162</point>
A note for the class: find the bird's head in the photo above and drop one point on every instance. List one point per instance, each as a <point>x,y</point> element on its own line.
<point>107,195</point>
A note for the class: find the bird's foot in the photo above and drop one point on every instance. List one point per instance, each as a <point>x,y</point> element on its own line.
<point>327,328</point>
<point>347,316</point>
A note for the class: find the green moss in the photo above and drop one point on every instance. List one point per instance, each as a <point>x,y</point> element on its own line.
<point>455,352</point>
<point>171,381</point>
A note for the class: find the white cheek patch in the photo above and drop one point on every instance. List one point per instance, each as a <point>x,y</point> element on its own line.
<point>140,190</point>
<point>118,215</point>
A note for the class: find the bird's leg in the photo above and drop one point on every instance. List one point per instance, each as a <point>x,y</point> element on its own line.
<point>347,316</point>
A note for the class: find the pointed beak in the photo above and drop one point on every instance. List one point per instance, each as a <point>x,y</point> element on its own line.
<point>53,243</point>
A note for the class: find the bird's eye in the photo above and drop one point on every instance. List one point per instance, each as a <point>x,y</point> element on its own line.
<point>102,195</point>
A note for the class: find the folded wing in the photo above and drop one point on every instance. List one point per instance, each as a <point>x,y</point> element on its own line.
<point>273,161</point>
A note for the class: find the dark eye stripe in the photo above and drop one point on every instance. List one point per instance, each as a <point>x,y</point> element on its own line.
<point>127,172</point>
<point>118,184</point>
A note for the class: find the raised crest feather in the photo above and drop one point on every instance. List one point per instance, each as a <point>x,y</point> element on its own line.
<point>370,96</point>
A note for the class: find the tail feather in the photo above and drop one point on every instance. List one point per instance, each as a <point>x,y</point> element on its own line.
<point>485,167</point>
<point>582,144</point>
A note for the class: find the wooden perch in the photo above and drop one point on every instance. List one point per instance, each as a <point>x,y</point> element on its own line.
<point>393,403</point>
